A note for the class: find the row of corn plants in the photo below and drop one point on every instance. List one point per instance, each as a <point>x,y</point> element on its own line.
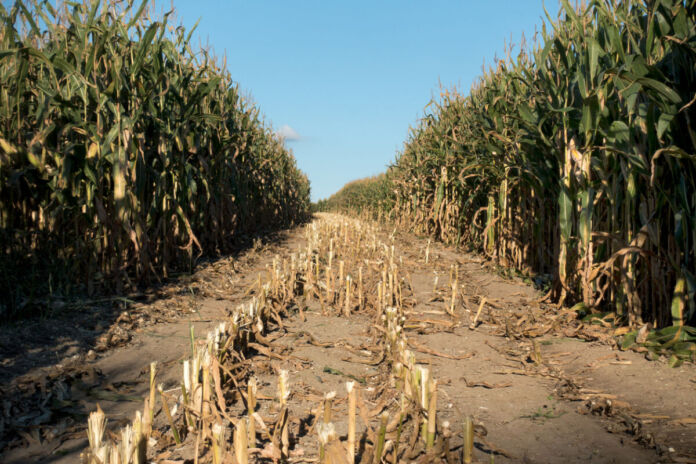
<point>125,153</point>
<point>369,196</point>
<point>575,159</point>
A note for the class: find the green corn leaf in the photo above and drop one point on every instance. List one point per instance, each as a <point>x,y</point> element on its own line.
<point>660,87</point>
<point>137,15</point>
<point>145,44</point>
<point>663,124</point>
<point>565,213</point>
<point>619,131</point>
<point>595,52</point>
<point>679,302</point>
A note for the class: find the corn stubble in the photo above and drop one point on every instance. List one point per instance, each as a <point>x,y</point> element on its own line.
<point>202,417</point>
<point>574,162</point>
<point>125,153</point>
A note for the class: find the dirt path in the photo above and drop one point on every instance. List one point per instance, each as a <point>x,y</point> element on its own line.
<point>540,385</point>
<point>581,401</point>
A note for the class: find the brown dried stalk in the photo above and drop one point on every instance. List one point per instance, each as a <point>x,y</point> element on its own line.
<point>352,401</point>
<point>432,412</point>
<point>251,406</point>
<point>241,446</point>
<point>468,449</point>
<point>153,372</point>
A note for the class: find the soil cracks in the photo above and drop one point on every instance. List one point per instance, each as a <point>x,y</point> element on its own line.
<point>541,386</point>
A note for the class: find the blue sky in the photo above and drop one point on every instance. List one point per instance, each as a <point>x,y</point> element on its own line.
<point>349,78</point>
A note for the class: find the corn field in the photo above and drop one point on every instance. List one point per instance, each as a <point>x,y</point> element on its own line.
<point>125,153</point>
<point>574,159</point>
<point>369,196</point>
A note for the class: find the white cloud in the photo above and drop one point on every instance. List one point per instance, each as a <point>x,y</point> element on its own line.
<point>288,133</point>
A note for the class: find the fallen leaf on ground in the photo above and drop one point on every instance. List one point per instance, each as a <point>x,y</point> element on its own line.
<point>424,349</point>
<point>486,385</point>
<point>684,421</point>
